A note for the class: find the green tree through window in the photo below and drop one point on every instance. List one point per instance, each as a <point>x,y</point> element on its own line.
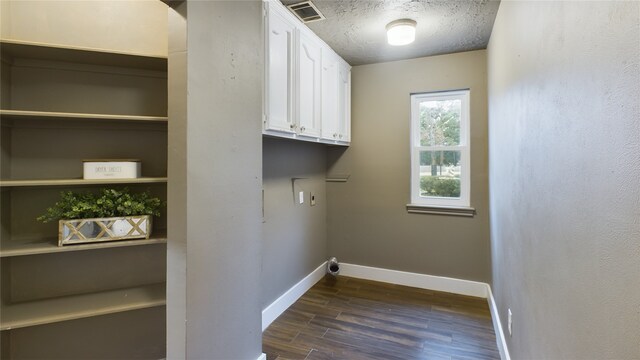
<point>440,126</point>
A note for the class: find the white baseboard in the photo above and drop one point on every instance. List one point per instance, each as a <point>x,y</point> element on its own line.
<point>422,281</point>
<point>262,357</point>
<point>497,326</point>
<point>271,312</point>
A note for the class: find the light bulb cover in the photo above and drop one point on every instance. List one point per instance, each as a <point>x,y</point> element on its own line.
<point>401,32</point>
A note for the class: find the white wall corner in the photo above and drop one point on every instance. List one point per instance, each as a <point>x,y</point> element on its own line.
<point>497,326</point>
<point>271,312</point>
<point>422,281</point>
<point>262,357</point>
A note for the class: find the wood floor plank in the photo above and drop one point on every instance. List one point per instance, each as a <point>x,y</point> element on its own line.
<point>380,333</point>
<point>343,350</point>
<point>312,308</point>
<point>387,324</point>
<point>354,319</point>
<point>383,347</point>
<point>285,350</point>
<point>319,355</point>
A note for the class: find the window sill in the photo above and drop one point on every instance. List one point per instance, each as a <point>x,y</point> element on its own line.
<point>441,210</point>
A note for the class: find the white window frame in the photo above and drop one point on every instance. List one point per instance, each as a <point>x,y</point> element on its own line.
<point>463,147</point>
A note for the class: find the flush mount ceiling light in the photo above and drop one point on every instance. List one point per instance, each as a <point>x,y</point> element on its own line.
<point>401,32</point>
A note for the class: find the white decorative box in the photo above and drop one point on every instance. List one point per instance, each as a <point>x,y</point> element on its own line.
<point>112,169</point>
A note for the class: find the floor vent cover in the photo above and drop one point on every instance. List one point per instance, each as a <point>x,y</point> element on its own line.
<point>306,11</point>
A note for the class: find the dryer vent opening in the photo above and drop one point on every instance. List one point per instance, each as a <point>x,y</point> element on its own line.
<point>333,266</point>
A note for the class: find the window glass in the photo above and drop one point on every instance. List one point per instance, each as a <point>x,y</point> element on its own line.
<point>440,122</point>
<point>440,160</point>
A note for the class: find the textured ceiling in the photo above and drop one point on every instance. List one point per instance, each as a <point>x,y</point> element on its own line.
<point>355,29</point>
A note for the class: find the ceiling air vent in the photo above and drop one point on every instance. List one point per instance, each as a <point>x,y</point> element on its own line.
<point>306,11</point>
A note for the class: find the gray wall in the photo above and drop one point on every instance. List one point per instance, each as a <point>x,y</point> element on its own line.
<point>367,220</point>
<point>177,185</point>
<point>564,109</point>
<point>215,183</point>
<point>88,23</point>
<point>294,235</point>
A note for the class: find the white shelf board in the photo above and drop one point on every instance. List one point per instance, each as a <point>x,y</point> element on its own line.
<point>19,315</point>
<point>50,246</point>
<point>52,115</point>
<point>73,182</point>
<point>53,52</point>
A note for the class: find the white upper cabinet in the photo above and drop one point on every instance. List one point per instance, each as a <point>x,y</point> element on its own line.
<point>336,98</point>
<point>344,102</point>
<point>307,85</point>
<point>330,65</point>
<point>279,57</point>
<point>309,72</point>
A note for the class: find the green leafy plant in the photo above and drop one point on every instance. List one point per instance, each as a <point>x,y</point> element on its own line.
<point>439,186</point>
<point>107,203</point>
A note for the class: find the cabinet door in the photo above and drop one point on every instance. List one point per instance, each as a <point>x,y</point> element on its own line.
<point>308,85</point>
<point>279,74</point>
<point>344,103</point>
<point>330,90</point>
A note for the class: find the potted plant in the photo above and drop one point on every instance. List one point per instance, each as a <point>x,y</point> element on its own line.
<point>107,216</point>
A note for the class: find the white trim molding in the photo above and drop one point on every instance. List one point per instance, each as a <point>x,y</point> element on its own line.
<point>463,147</point>
<point>422,281</point>
<point>271,312</point>
<point>497,326</point>
<point>262,357</point>
<point>441,210</point>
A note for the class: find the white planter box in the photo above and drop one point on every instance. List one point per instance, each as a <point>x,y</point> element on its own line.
<point>82,231</point>
<point>112,169</point>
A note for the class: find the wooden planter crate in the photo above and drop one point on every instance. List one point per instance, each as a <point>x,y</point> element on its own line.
<point>83,231</point>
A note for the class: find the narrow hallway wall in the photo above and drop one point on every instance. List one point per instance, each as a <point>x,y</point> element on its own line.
<point>564,120</point>
<point>215,177</point>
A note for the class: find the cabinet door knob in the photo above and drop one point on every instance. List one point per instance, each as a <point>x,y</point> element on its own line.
<point>292,126</point>
<point>302,128</point>
<point>340,136</point>
<point>335,135</point>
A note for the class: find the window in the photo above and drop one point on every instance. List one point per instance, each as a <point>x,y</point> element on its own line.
<point>440,149</point>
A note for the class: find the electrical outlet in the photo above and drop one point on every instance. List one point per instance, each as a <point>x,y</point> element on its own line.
<point>312,199</point>
<point>509,320</point>
<point>301,197</point>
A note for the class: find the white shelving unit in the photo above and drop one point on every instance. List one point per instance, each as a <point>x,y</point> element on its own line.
<point>15,316</point>
<point>60,105</point>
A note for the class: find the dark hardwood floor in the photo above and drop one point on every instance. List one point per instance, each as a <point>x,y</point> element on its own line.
<point>347,318</point>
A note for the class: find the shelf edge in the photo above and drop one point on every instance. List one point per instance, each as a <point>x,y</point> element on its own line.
<point>79,182</point>
<point>137,304</point>
<point>33,114</point>
<point>41,249</point>
<point>35,44</point>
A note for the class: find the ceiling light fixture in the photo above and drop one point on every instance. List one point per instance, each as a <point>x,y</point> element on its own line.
<point>401,32</point>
